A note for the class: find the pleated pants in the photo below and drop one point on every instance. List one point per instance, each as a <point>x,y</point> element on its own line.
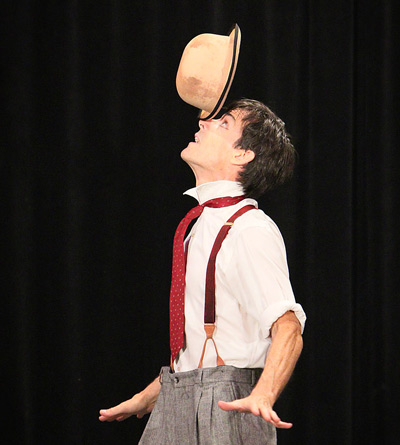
<point>187,411</point>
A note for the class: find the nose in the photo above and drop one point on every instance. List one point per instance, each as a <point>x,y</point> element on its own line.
<point>204,123</point>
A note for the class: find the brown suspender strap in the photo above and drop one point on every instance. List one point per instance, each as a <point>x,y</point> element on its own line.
<point>209,328</point>
<point>209,307</point>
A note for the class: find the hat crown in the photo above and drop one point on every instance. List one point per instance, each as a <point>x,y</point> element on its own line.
<point>206,70</point>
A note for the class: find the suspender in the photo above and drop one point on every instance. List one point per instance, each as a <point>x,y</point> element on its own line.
<point>209,307</point>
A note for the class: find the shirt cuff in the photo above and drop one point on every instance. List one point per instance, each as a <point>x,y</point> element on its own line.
<point>276,310</point>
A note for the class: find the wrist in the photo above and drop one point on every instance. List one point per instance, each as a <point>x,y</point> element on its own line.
<point>149,395</point>
<point>263,389</point>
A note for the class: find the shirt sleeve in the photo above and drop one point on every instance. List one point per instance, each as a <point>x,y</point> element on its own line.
<point>259,276</point>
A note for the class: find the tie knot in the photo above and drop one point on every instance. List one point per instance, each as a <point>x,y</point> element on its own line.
<point>223,201</point>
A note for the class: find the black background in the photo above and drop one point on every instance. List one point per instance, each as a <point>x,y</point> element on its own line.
<point>91,193</point>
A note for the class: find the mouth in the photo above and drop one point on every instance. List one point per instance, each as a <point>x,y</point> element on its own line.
<point>196,138</point>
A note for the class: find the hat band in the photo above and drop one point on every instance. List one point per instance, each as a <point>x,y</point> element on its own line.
<point>230,75</point>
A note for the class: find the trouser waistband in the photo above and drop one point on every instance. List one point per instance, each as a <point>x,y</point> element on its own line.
<point>210,375</point>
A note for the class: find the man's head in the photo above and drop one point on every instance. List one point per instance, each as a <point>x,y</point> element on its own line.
<point>247,144</point>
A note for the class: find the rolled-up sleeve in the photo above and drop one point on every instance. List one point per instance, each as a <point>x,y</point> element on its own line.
<point>259,276</point>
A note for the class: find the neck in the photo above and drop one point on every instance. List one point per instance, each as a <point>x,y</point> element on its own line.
<point>203,177</point>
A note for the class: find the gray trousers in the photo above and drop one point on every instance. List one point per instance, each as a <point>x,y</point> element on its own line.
<point>187,413</point>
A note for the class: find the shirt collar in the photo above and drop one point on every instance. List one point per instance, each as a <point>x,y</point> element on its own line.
<point>216,189</point>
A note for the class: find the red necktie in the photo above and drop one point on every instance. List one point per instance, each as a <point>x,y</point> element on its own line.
<point>177,295</point>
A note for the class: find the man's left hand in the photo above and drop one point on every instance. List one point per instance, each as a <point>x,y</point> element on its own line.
<point>257,405</point>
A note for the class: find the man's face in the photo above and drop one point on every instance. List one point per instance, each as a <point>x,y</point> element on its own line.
<point>214,146</point>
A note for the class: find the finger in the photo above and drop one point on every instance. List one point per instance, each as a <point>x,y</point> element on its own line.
<point>278,422</point>
<point>283,425</point>
<point>226,406</point>
<point>272,417</point>
<point>275,417</point>
<point>236,405</point>
<point>106,419</point>
<point>240,405</point>
<point>108,414</point>
<point>266,415</point>
<point>103,415</point>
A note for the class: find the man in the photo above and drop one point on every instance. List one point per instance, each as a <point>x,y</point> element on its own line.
<point>258,324</point>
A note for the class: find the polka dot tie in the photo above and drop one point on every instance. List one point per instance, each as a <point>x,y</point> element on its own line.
<point>177,295</point>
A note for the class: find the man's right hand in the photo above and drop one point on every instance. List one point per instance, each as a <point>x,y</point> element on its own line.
<point>139,405</point>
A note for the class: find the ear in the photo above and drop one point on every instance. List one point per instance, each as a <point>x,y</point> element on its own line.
<point>242,157</point>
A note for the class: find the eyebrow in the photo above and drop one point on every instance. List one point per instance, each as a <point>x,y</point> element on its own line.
<point>229,115</point>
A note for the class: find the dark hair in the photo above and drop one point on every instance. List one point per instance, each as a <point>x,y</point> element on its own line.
<point>263,133</point>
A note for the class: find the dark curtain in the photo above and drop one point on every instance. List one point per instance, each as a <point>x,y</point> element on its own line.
<point>92,186</point>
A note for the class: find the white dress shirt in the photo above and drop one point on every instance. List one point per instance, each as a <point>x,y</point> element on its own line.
<point>252,283</point>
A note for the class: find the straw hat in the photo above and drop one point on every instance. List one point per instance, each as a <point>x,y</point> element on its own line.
<point>206,71</point>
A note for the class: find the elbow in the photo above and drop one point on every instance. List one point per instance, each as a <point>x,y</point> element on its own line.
<point>289,324</point>
<point>299,343</point>
<point>288,328</point>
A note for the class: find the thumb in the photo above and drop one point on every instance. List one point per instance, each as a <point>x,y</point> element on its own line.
<point>226,406</point>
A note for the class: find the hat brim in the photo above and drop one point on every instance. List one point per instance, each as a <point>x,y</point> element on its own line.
<point>235,35</point>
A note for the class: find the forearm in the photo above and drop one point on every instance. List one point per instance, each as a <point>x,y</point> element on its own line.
<point>282,357</point>
<point>140,404</point>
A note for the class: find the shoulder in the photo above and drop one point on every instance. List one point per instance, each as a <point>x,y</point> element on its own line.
<point>255,236</point>
<point>255,240</point>
<point>256,221</point>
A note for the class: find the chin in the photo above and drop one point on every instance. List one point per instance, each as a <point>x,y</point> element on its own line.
<point>189,145</point>
<point>184,154</point>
